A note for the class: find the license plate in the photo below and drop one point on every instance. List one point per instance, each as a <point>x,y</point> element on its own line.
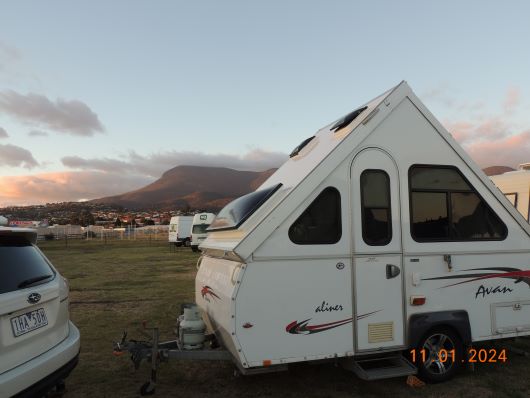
<point>28,322</point>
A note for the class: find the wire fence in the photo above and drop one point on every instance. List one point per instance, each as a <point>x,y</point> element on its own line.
<point>66,233</point>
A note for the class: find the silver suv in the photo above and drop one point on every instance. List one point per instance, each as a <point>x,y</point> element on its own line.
<point>39,346</point>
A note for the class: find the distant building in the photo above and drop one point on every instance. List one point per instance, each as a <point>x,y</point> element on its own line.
<point>24,224</point>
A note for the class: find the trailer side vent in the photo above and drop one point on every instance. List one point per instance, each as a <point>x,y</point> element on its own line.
<point>379,332</point>
<point>297,150</point>
<point>346,120</point>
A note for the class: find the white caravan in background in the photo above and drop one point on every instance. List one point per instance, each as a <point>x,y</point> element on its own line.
<point>200,224</point>
<point>180,230</point>
<point>378,237</point>
<point>515,185</point>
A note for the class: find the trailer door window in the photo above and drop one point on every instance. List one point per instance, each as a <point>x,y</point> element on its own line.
<point>320,223</point>
<point>445,207</point>
<point>375,203</point>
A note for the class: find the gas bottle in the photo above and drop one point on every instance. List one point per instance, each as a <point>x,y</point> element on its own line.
<point>191,328</point>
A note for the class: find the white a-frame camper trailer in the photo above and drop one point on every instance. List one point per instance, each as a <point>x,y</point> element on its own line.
<point>378,240</point>
<point>379,236</point>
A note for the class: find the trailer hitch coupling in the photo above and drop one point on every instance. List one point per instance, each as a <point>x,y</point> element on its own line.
<point>189,345</point>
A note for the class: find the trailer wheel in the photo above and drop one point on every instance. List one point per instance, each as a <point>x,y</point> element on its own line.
<point>147,389</point>
<point>439,355</point>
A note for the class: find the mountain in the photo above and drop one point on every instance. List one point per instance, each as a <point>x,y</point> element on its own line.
<point>495,170</point>
<point>191,187</point>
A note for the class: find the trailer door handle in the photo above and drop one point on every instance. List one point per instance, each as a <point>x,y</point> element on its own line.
<point>392,271</point>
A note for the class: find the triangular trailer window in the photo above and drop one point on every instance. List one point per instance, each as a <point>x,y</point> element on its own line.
<point>239,210</point>
<point>320,223</point>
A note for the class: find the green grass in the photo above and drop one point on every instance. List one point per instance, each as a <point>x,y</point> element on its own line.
<point>115,286</point>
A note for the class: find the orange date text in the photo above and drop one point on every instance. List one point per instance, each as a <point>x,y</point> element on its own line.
<point>474,355</point>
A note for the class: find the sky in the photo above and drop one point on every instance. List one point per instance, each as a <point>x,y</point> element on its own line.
<point>101,97</point>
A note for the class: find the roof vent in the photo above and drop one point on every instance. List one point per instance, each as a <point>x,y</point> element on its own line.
<point>346,120</point>
<point>297,150</point>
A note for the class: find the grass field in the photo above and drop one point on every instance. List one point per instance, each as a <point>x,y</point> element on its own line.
<point>115,286</point>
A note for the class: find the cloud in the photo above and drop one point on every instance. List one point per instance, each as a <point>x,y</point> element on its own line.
<point>439,94</point>
<point>96,178</point>
<point>37,133</point>
<point>65,186</point>
<point>15,156</point>
<point>443,95</point>
<point>3,133</point>
<point>511,150</point>
<point>490,129</point>
<point>494,139</point>
<point>154,165</point>
<point>66,116</point>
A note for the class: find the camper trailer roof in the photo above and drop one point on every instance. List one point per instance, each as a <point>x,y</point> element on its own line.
<point>317,158</point>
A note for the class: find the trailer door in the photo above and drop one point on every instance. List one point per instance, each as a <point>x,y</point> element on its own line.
<point>377,253</point>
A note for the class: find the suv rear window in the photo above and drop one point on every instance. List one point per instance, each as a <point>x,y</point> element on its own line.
<point>236,212</point>
<point>21,265</point>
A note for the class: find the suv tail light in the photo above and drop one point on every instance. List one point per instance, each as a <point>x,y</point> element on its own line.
<point>64,288</point>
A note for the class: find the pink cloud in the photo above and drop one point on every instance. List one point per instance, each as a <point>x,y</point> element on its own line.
<point>65,186</point>
<point>492,142</point>
<point>506,151</point>
<point>489,129</point>
<point>461,131</point>
<point>494,139</point>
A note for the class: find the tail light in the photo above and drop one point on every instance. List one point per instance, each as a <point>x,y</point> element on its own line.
<point>64,288</point>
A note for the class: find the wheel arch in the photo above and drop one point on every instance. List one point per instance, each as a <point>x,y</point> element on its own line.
<point>420,324</point>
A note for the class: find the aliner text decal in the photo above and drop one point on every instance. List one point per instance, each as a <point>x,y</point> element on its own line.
<point>326,307</point>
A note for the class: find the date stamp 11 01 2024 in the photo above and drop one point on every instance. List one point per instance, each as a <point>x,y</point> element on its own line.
<point>473,355</point>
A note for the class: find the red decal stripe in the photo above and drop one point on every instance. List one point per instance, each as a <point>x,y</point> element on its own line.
<point>520,274</point>
<point>315,327</point>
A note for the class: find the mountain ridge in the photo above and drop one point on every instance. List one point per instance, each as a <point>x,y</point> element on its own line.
<point>191,187</point>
